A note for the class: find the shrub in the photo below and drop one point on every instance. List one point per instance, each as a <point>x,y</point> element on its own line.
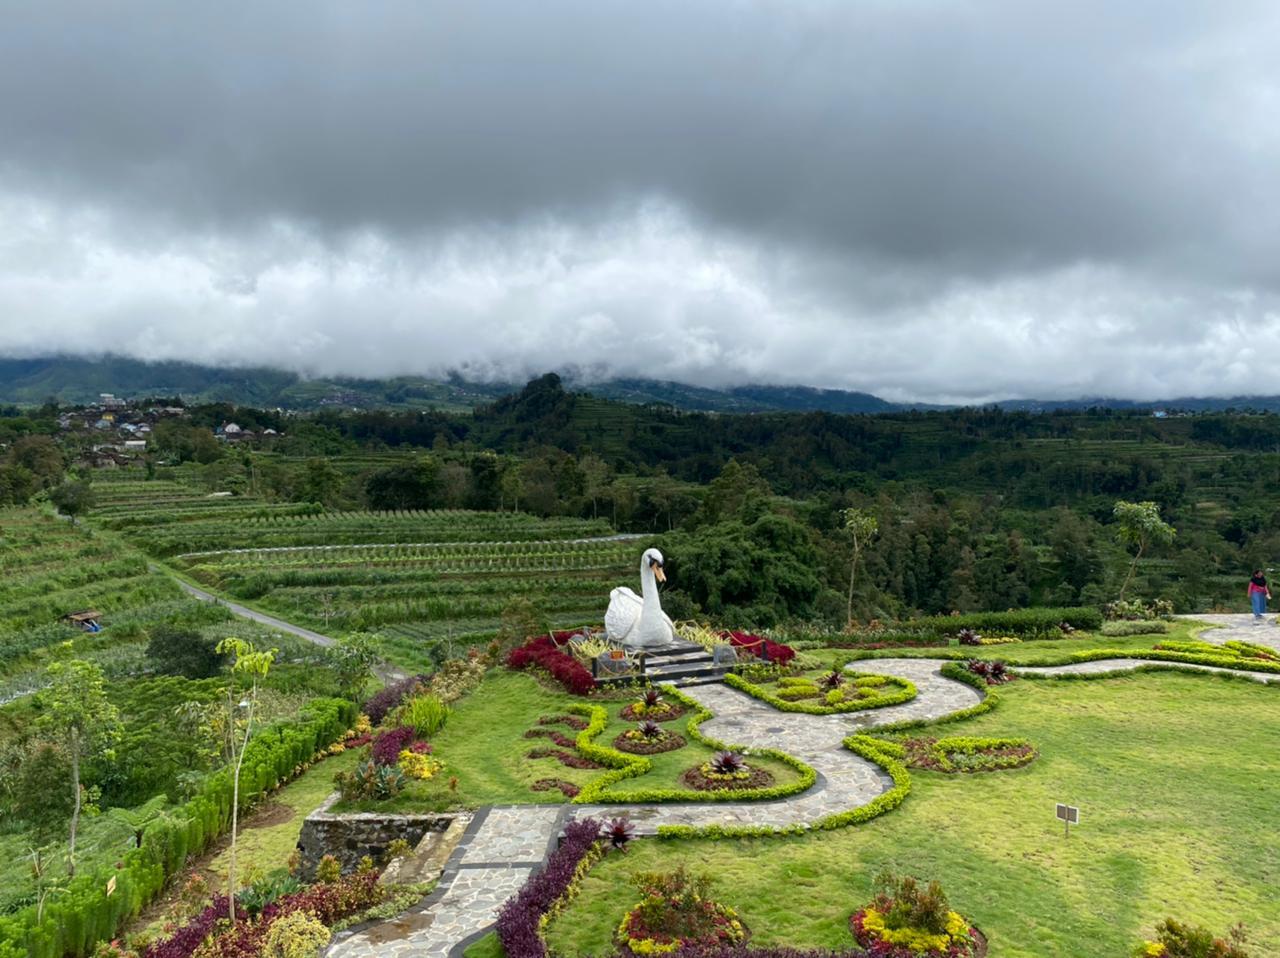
<point>1177,940</point>
<point>761,647</point>
<point>370,780</point>
<point>1121,627</point>
<point>968,637</point>
<point>906,919</point>
<point>677,909</point>
<point>1138,609</point>
<point>390,696</point>
<point>184,652</point>
<point>296,935</point>
<point>266,890</point>
<point>388,745</point>
<point>1017,622</point>
<point>426,714</point>
<point>417,765</point>
<point>544,652</point>
<point>328,870</point>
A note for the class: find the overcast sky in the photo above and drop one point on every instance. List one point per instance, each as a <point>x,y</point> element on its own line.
<point>948,201</point>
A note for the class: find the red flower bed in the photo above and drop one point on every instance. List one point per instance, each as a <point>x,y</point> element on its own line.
<point>761,647</point>
<point>544,652</point>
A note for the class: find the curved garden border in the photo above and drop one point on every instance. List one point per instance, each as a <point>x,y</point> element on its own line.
<point>905,693</point>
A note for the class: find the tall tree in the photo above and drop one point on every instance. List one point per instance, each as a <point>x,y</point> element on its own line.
<point>253,665</point>
<point>861,527</point>
<point>351,659</point>
<point>78,716</point>
<point>1139,524</point>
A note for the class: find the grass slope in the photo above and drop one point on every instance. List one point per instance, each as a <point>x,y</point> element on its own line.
<point>1166,769</point>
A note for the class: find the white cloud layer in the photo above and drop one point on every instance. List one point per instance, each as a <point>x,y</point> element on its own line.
<point>646,292</point>
<point>930,201</point>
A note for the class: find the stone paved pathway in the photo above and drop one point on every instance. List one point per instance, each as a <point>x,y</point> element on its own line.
<point>1109,666</point>
<point>505,845</point>
<point>1239,627</point>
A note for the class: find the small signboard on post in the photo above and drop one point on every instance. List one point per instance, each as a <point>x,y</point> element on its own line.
<point>1069,815</point>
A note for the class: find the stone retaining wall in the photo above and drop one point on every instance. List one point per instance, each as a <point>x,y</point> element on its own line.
<point>349,837</point>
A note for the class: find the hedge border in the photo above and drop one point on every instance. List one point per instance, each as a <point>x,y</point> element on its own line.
<point>85,914</point>
<point>906,693</point>
<point>624,765</point>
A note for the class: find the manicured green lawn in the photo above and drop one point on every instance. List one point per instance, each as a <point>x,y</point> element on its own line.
<point>484,748</point>
<point>259,849</point>
<point>1175,777</point>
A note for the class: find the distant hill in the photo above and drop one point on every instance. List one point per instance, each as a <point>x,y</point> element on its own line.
<point>71,379</point>
<point>82,380</point>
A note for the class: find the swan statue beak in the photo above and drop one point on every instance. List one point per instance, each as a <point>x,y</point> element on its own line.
<point>657,571</point>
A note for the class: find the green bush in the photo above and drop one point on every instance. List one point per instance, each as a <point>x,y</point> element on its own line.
<point>297,935</point>
<point>1018,622</point>
<point>425,713</point>
<point>1122,627</point>
<point>84,914</point>
<point>184,652</point>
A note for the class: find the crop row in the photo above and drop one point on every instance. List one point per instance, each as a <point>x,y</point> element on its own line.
<point>375,615</point>
<point>356,553</point>
<point>444,560</point>
<point>259,582</point>
<point>199,536</point>
<point>227,510</point>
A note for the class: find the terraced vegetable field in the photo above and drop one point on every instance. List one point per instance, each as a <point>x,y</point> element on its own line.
<point>49,568</point>
<point>431,581</point>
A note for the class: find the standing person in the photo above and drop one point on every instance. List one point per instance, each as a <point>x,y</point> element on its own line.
<point>1258,594</point>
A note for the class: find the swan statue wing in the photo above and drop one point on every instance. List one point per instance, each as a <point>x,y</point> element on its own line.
<point>623,613</point>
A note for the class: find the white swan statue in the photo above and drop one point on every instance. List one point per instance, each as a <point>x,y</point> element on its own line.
<point>636,622</point>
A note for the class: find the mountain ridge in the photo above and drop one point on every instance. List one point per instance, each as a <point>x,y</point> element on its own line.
<point>80,380</point>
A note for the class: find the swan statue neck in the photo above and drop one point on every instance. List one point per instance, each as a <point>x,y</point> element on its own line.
<point>648,584</point>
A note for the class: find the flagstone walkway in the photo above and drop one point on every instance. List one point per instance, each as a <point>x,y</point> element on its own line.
<point>503,846</point>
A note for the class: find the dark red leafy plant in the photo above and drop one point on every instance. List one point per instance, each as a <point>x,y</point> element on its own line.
<point>389,744</point>
<point>518,920</point>
<point>545,653</point>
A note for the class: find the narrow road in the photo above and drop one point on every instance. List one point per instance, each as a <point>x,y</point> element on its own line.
<point>384,670</point>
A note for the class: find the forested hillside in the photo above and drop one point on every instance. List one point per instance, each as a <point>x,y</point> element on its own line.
<point>976,508</point>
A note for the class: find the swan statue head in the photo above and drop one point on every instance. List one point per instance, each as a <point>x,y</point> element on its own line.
<point>651,565</point>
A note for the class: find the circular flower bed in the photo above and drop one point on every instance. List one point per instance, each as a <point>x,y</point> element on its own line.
<point>677,912</point>
<point>906,920</point>
<point>648,739</point>
<point>728,771</point>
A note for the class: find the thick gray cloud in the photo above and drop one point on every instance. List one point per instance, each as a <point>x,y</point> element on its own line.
<point>936,200</point>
